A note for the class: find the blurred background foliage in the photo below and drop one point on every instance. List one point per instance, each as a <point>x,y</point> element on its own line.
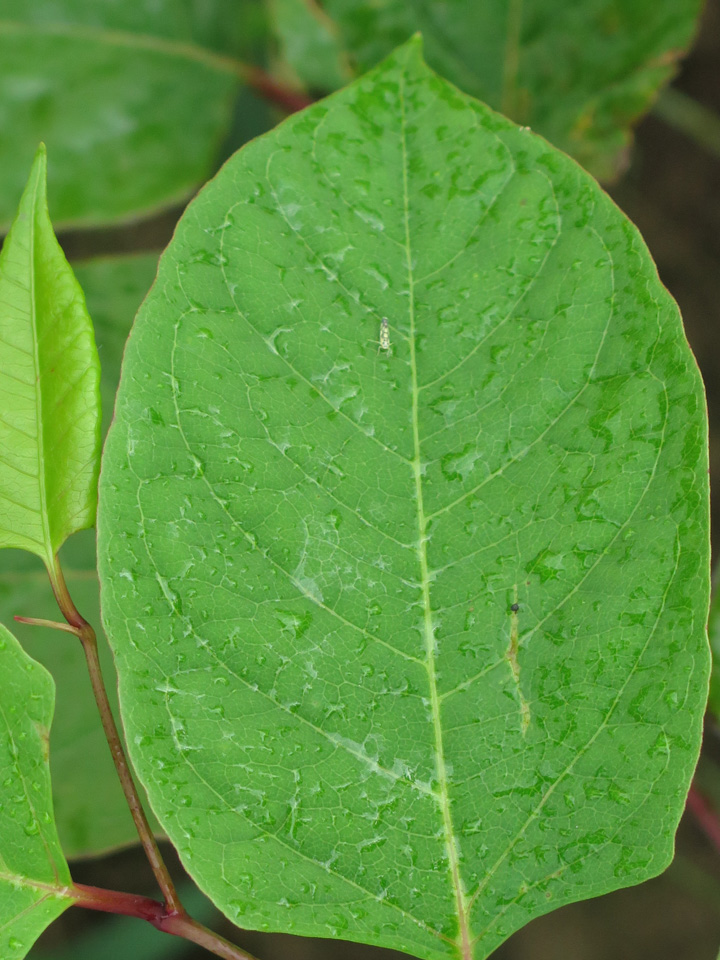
<point>139,103</point>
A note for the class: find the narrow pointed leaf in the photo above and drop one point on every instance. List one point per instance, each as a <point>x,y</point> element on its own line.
<point>90,809</point>
<point>408,614</point>
<point>49,386</point>
<point>34,876</point>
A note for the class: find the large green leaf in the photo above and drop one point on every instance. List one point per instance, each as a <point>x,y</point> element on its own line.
<point>131,98</point>
<point>410,635</point>
<point>33,873</point>
<point>49,386</point>
<point>90,809</point>
<point>578,71</point>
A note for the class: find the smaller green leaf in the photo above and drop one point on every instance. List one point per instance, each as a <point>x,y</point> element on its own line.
<point>34,876</point>
<point>49,386</point>
<point>90,810</point>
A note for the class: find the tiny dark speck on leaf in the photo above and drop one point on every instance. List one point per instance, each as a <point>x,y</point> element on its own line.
<point>515,607</point>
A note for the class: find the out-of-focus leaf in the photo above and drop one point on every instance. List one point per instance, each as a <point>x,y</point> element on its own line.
<point>34,877</point>
<point>714,634</point>
<point>310,44</point>
<point>132,98</point>
<point>409,617</point>
<point>90,809</point>
<point>49,386</point>
<point>577,71</point>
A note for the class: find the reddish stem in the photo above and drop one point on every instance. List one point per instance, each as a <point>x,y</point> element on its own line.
<point>176,924</point>
<point>705,815</point>
<point>87,637</point>
<point>270,89</point>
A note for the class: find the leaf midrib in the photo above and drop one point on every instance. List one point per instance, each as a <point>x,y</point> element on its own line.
<point>39,418</point>
<point>464,940</point>
<point>17,880</point>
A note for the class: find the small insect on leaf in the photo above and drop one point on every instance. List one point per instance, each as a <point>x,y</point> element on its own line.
<point>384,340</point>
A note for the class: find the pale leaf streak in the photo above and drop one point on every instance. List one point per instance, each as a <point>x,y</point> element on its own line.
<point>508,316</point>
<point>452,851</point>
<point>335,741</point>
<point>185,758</point>
<point>297,852</point>
<point>264,552</point>
<point>319,486</point>
<point>51,890</point>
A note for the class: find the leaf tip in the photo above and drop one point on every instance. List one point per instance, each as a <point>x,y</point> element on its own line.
<point>39,166</point>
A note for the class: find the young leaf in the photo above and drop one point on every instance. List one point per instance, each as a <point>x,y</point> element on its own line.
<point>34,876</point>
<point>579,73</point>
<point>49,386</point>
<point>90,809</point>
<point>131,98</point>
<point>408,617</point>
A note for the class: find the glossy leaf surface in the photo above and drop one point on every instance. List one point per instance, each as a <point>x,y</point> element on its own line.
<point>131,98</point>
<point>577,71</point>
<point>49,386</point>
<point>408,617</point>
<point>90,810</point>
<point>33,871</point>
